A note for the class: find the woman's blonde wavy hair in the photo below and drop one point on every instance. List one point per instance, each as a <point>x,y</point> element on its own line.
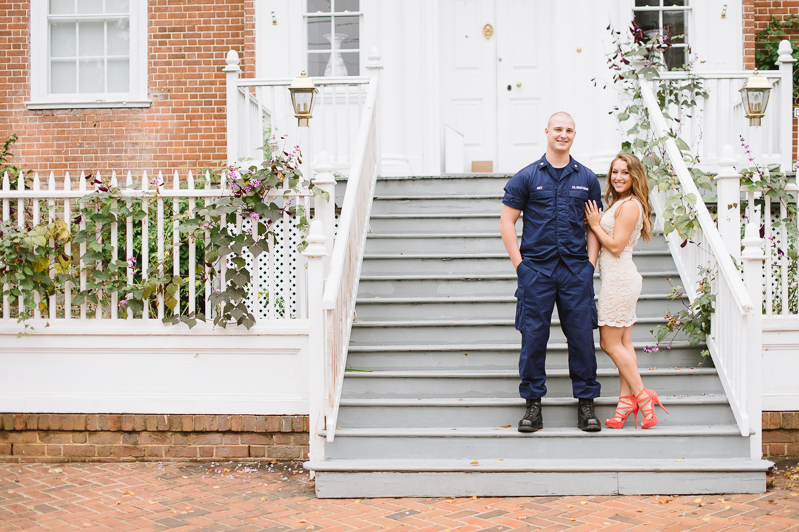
<point>640,189</point>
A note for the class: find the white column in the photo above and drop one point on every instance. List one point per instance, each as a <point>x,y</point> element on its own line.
<point>232,72</point>
<point>728,184</point>
<point>785,62</point>
<point>315,254</point>
<point>753,279</point>
<point>325,211</point>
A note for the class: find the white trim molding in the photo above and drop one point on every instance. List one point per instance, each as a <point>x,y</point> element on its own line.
<point>780,363</point>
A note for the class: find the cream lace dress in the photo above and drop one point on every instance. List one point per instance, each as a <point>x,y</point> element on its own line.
<point>621,282</point>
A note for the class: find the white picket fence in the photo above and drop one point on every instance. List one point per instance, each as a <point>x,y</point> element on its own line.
<point>277,292</point>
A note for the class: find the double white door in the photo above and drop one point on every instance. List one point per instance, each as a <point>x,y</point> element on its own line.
<point>497,78</point>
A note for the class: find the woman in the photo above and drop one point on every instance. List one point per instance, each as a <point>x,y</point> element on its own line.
<point>628,217</point>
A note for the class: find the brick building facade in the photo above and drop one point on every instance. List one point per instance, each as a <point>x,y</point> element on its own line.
<point>183,129</point>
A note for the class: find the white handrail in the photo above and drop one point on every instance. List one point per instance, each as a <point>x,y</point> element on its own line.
<point>736,315</point>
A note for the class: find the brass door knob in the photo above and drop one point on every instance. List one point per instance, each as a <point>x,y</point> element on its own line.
<point>488,31</point>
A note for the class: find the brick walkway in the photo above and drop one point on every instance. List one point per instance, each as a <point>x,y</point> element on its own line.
<point>279,498</point>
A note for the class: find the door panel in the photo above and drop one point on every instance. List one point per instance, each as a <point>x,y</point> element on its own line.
<point>523,65</point>
<point>468,76</point>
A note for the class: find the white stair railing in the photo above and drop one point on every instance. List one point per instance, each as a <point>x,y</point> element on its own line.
<point>735,339</point>
<point>332,310</point>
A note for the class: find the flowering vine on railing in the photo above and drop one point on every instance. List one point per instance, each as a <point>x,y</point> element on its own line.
<point>39,263</point>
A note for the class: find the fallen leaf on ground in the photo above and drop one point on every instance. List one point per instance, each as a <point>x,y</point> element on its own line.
<point>727,507</point>
<point>475,462</point>
<point>505,426</point>
<point>56,470</point>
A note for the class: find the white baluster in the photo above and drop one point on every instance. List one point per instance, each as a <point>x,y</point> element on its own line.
<point>36,219</point>
<point>98,265</point>
<point>6,218</point>
<point>145,242</point>
<point>160,237</point>
<point>129,240</point>
<point>192,277</point>
<point>114,249</point>
<point>82,227</point>
<point>51,305</point>
<point>325,211</point>
<point>207,236</point>
<point>176,237</point>
<point>68,248</point>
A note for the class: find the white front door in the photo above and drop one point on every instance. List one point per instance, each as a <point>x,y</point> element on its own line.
<point>497,91</point>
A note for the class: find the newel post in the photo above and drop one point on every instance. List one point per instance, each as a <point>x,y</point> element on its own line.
<point>325,211</point>
<point>753,257</point>
<point>728,186</point>
<point>785,62</point>
<point>315,253</point>
<point>232,72</point>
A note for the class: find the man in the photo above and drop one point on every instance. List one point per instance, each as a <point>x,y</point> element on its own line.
<point>554,266</point>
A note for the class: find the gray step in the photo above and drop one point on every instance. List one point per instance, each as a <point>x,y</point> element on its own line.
<point>468,307</point>
<point>499,356</point>
<point>505,383</point>
<point>653,261</point>
<point>427,185</point>
<point>662,442</point>
<point>432,331</point>
<point>437,203</point>
<point>428,223</point>
<point>699,410</point>
<point>505,477</point>
<point>413,284</point>
<point>434,242</point>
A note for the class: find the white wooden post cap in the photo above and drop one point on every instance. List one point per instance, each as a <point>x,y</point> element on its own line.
<point>316,241</point>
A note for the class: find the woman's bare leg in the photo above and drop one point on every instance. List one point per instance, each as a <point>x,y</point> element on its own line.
<point>611,339</point>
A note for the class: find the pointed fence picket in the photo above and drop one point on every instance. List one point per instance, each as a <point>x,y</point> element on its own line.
<point>277,275</point>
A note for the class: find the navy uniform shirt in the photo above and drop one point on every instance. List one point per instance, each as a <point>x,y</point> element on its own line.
<point>554,212</point>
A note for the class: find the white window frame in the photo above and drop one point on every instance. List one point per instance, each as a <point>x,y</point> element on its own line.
<point>688,21</point>
<point>40,36</point>
<point>333,15</point>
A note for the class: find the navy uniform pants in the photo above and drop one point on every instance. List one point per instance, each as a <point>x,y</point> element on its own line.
<point>537,295</point>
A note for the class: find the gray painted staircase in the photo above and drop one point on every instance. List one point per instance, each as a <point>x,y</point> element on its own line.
<point>431,403</point>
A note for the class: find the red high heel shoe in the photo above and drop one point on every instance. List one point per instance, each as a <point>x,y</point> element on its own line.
<point>646,400</point>
<point>627,405</point>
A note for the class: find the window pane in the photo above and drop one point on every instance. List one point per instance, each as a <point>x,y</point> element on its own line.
<point>348,26</point>
<point>62,39</point>
<point>118,75</point>
<point>317,64</point>
<point>315,6</point>
<point>91,39</point>
<point>62,77</point>
<point>668,3</point>
<point>91,75</point>
<point>118,37</point>
<point>117,6</point>
<point>62,7</point>
<point>675,58</point>
<point>353,62</point>
<point>647,20</point>
<point>674,24</point>
<point>90,6</point>
<point>346,5</point>
<point>317,27</point>
<point>645,3</point>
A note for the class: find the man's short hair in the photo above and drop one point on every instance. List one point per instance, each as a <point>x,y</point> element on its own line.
<point>560,114</point>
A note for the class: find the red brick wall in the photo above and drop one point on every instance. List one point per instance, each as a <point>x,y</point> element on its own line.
<point>757,14</point>
<point>780,434</point>
<point>185,127</point>
<point>140,437</point>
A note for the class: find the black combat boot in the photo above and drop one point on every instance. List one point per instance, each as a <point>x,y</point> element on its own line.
<point>586,419</point>
<point>532,420</point>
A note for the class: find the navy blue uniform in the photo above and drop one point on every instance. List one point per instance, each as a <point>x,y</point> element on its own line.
<point>555,270</point>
